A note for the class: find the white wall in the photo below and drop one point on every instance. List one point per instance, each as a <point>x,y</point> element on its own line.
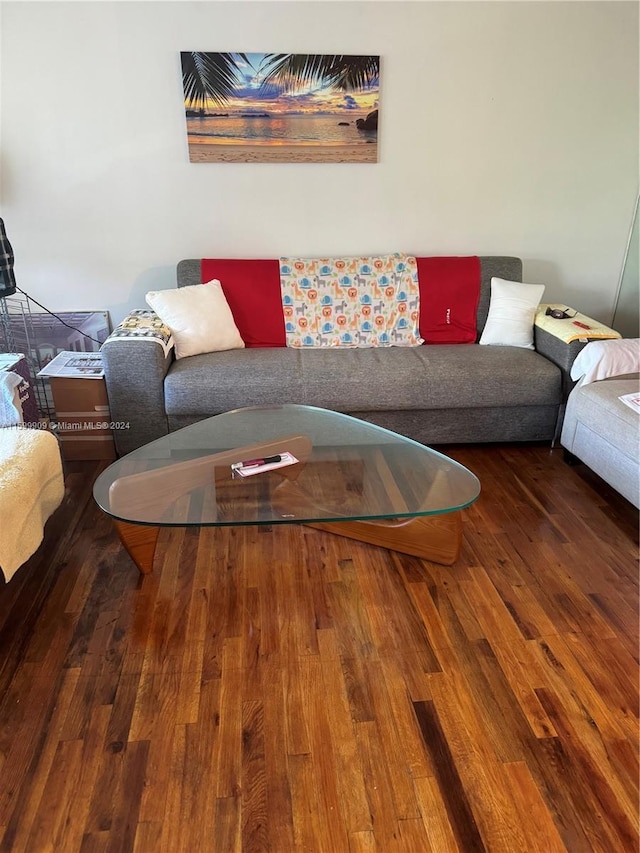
<point>506,128</point>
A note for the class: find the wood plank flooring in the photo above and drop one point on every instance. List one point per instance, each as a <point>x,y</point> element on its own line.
<point>282,689</point>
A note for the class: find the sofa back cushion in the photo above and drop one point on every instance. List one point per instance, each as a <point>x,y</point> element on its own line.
<point>494,266</point>
<point>252,289</point>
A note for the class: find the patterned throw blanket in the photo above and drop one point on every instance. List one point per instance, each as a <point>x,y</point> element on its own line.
<point>143,323</point>
<point>351,302</point>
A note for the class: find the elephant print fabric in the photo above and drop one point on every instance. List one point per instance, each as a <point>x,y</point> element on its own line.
<point>351,302</point>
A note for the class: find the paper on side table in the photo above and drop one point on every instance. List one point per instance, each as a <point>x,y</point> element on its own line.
<point>75,365</point>
<point>567,330</point>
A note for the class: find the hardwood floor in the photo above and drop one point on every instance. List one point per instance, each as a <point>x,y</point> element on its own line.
<point>282,689</point>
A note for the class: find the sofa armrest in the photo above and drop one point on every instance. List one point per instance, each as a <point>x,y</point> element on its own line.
<point>560,344</point>
<point>134,370</point>
<point>563,355</point>
<point>560,340</point>
<point>560,353</point>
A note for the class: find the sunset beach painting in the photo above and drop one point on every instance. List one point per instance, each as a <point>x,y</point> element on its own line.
<point>281,108</point>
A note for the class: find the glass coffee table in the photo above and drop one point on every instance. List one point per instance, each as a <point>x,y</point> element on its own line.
<point>351,478</point>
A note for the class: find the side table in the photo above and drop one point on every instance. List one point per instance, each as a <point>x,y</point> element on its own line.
<point>562,339</point>
<point>83,422</point>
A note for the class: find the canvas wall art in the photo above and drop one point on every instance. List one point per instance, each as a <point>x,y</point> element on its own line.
<point>281,108</point>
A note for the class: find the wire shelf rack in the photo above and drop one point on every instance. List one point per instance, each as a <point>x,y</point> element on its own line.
<point>18,335</point>
<point>40,335</point>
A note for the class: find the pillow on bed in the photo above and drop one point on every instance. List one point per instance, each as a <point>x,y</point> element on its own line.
<point>511,314</point>
<point>603,359</point>
<point>199,318</point>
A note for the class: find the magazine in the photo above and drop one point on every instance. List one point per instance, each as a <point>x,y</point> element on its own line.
<point>631,400</point>
<point>75,365</point>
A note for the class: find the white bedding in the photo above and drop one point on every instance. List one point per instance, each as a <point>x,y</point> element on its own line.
<point>31,488</point>
<point>604,359</point>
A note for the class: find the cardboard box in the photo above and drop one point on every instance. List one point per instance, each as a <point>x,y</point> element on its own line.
<point>82,418</point>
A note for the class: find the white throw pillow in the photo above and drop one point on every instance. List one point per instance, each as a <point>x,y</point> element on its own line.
<point>199,318</point>
<point>603,359</point>
<point>511,313</point>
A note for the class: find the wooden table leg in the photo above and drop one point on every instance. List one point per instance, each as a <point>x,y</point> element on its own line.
<point>437,538</point>
<point>140,542</point>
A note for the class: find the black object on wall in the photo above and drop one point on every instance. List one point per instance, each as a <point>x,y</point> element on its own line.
<point>7,278</point>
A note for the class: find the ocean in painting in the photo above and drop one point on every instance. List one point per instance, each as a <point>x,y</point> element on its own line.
<point>278,130</point>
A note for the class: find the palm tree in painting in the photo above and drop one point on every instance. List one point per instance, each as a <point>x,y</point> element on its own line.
<point>208,76</point>
<point>346,73</point>
<point>213,75</point>
<point>293,71</point>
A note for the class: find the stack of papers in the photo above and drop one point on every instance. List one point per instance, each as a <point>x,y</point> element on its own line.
<point>78,365</point>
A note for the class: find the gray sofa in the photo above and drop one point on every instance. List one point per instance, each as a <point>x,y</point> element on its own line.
<point>604,433</point>
<point>434,394</point>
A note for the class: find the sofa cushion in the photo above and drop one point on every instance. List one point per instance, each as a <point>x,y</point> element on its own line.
<point>190,271</point>
<point>596,409</point>
<point>400,378</point>
<point>605,434</point>
<point>511,313</point>
<point>199,318</point>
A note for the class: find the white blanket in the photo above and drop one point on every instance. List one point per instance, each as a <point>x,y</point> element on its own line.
<point>10,408</point>
<point>31,488</point>
<point>604,359</point>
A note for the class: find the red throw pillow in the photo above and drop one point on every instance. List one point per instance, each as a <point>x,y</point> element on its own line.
<point>449,296</point>
<point>252,289</point>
